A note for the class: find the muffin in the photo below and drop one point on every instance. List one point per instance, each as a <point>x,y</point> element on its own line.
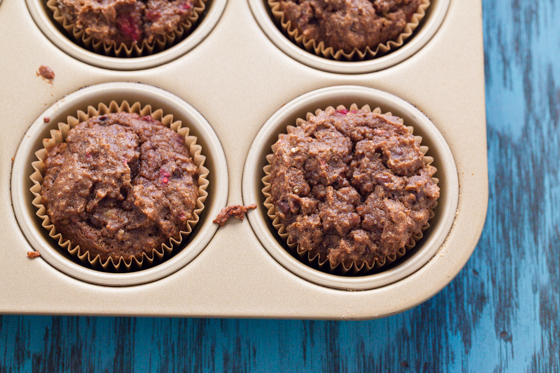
<point>349,26</point>
<point>121,186</point>
<point>351,188</point>
<point>106,26</point>
<point>126,21</point>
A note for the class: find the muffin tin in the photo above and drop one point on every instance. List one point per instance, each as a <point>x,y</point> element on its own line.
<point>237,84</point>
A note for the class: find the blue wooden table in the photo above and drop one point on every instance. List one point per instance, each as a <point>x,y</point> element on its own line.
<point>501,313</point>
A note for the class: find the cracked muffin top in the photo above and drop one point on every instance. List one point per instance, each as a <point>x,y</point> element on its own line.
<point>351,186</point>
<point>126,21</point>
<point>349,24</point>
<point>120,186</point>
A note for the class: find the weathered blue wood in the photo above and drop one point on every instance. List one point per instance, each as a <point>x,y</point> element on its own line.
<point>501,313</point>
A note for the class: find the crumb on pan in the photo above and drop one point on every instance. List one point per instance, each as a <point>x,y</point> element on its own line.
<point>46,73</point>
<point>237,211</point>
<point>46,119</point>
<point>33,254</point>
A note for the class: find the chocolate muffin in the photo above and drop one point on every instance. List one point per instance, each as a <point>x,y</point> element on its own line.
<point>120,186</point>
<point>126,21</point>
<point>349,24</point>
<point>351,187</point>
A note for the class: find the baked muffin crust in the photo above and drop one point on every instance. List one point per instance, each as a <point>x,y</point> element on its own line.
<point>351,186</point>
<point>120,186</point>
<point>126,21</point>
<point>349,24</point>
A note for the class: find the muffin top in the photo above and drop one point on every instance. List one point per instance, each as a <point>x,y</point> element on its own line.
<point>120,186</point>
<point>349,24</point>
<point>351,186</point>
<point>126,21</point>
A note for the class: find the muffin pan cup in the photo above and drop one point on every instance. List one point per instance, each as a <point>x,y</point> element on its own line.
<point>417,256</point>
<point>312,54</point>
<point>227,89</point>
<point>316,261</point>
<point>53,248</point>
<point>101,55</point>
<point>320,49</point>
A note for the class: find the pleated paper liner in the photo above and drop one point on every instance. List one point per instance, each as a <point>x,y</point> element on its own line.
<point>157,255</point>
<point>320,49</point>
<point>324,264</point>
<point>158,44</point>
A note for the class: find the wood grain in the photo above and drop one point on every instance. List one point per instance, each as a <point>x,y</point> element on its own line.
<point>501,313</point>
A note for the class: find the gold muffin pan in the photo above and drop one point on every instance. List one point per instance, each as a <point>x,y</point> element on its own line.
<point>237,88</point>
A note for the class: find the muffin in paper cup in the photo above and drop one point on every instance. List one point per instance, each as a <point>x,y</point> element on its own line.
<point>137,260</point>
<point>323,49</point>
<point>302,197</point>
<point>144,47</point>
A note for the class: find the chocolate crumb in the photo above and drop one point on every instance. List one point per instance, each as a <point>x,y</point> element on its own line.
<point>237,211</point>
<point>46,73</point>
<point>404,364</point>
<point>46,119</point>
<point>33,254</point>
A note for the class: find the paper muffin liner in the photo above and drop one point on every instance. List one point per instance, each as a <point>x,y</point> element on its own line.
<point>59,136</point>
<point>324,264</point>
<point>319,48</point>
<point>158,44</point>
